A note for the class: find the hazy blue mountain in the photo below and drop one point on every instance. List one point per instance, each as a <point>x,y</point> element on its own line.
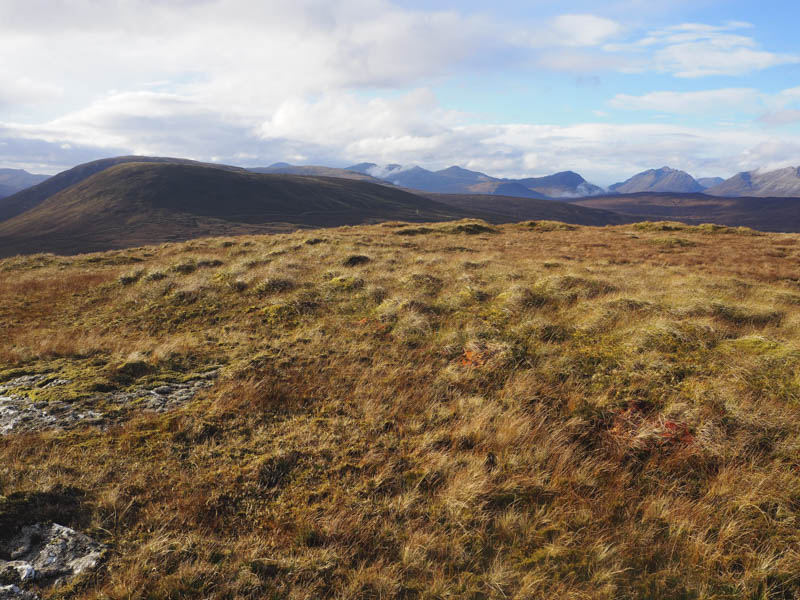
<point>566,184</point>
<point>780,183</point>
<point>512,188</point>
<point>708,182</point>
<point>664,179</point>
<point>458,180</point>
<point>314,171</point>
<point>15,180</point>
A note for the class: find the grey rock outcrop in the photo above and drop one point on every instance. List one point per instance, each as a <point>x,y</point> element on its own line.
<point>12,592</point>
<point>19,413</point>
<point>45,555</point>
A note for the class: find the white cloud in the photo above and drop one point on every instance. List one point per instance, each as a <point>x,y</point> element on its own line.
<point>256,81</point>
<point>342,128</point>
<point>142,121</point>
<point>344,116</point>
<point>792,94</point>
<point>23,90</point>
<point>578,60</point>
<point>582,30</point>
<point>699,50</point>
<point>777,118</point>
<point>707,101</point>
<point>782,108</point>
<point>564,31</point>
<point>240,55</point>
<point>703,58</point>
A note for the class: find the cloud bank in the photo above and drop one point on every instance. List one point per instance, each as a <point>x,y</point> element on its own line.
<point>251,82</point>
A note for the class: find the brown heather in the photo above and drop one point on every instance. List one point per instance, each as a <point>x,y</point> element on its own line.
<point>521,411</point>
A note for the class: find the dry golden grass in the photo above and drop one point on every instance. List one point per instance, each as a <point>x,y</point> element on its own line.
<point>523,411</point>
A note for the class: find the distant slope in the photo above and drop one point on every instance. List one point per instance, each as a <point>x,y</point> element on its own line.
<point>374,170</point>
<point>33,196</point>
<point>15,180</point>
<point>707,182</point>
<point>452,180</point>
<point>142,203</point>
<point>7,190</point>
<point>765,214</point>
<point>566,184</point>
<point>780,183</point>
<point>457,180</point>
<point>518,190</point>
<point>315,171</point>
<point>658,180</point>
<point>507,209</point>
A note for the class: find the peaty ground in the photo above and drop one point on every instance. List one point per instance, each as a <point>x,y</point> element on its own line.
<point>416,411</point>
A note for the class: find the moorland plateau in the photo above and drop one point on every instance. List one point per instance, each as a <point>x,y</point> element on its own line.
<point>413,410</point>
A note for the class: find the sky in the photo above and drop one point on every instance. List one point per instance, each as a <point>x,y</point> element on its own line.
<point>509,88</point>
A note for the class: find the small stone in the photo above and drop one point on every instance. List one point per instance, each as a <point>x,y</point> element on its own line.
<point>57,382</point>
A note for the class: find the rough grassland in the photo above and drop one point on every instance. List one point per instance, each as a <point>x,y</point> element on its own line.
<point>523,411</point>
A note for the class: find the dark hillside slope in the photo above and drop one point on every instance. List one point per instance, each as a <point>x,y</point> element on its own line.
<point>512,188</point>
<point>765,214</point>
<point>26,199</point>
<point>134,204</point>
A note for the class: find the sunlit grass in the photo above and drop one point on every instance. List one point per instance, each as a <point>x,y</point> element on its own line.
<point>437,411</point>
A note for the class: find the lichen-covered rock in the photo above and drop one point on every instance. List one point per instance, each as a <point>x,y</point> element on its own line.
<point>16,571</point>
<point>12,592</point>
<point>47,555</point>
<point>19,413</point>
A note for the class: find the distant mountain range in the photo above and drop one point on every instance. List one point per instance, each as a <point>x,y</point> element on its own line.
<point>315,171</point>
<point>14,180</point>
<point>779,183</point>
<point>138,203</point>
<point>564,185</point>
<point>136,200</point>
<point>457,180</point>
<point>453,180</point>
<point>783,183</point>
<point>708,182</point>
<point>133,201</point>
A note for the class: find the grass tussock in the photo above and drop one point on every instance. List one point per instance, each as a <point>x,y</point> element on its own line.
<point>547,226</point>
<point>592,413</point>
<point>651,226</point>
